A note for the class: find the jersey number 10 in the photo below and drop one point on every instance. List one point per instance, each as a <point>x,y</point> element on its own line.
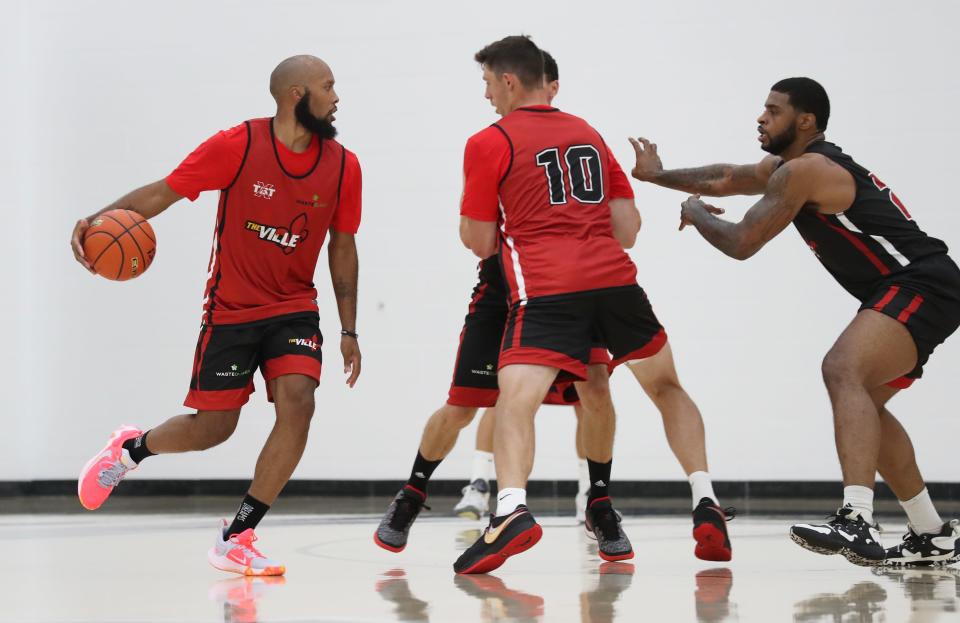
<point>583,167</point>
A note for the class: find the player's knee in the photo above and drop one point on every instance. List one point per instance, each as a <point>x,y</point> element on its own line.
<point>457,417</point>
<point>838,369</point>
<point>297,409</point>
<point>662,389</point>
<point>214,427</point>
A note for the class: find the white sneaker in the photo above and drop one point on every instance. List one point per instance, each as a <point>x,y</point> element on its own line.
<point>580,502</point>
<point>237,554</point>
<point>475,502</point>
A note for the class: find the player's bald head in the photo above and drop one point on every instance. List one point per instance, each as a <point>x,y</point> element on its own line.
<point>301,70</point>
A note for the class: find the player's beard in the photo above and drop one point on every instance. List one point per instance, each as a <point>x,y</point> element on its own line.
<point>778,144</point>
<point>318,125</point>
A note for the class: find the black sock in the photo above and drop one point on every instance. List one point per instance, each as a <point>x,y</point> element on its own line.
<point>599,480</point>
<point>421,472</point>
<point>137,447</point>
<point>249,514</point>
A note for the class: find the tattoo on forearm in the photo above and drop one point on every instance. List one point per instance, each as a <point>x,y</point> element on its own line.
<point>696,180</point>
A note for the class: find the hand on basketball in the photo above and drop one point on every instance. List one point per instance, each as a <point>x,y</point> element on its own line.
<point>76,243</point>
<point>351,358</point>
<point>648,162</point>
<point>693,207</point>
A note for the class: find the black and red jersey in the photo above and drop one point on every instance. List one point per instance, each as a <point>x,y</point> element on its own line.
<point>274,212</point>
<point>873,240</point>
<point>546,177</point>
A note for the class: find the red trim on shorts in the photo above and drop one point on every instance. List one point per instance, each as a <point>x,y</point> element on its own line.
<point>654,346</point>
<point>517,327</point>
<point>198,363</point>
<point>555,396</point>
<point>889,296</point>
<point>291,364</point>
<point>599,356</point>
<point>476,298</point>
<point>910,309</point>
<point>901,383</point>
<point>858,244</point>
<point>527,355</point>
<point>218,400</point>
<point>472,397</point>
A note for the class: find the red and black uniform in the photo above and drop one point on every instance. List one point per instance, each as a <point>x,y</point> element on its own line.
<point>546,178</point>
<point>275,208</point>
<point>876,251</point>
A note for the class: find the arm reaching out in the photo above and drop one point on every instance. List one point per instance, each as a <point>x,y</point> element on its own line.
<point>715,180</point>
<point>786,194</point>
<point>148,201</point>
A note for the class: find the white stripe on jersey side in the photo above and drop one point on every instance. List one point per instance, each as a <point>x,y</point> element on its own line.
<point>515,259</point>
<point>886,244</point>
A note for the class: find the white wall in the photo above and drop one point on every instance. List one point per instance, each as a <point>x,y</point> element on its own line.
<point>100,97</point>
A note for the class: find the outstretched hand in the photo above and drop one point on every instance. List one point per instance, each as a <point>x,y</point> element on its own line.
<point>648,162</point>
<point>694,207</point>
<point>76,243</point>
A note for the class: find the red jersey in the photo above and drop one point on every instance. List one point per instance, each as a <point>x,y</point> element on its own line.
<point>546,177</point>
<point>275,208</point>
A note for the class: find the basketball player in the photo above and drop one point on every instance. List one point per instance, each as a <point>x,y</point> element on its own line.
<point>283,182</point>
<point>474,382</point>
<point>907,285</point>
<point>543,176</point>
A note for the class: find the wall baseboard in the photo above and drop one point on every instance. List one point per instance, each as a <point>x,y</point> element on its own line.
<point>755,489</point>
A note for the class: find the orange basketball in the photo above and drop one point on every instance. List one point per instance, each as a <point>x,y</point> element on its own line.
<point>120,244</point>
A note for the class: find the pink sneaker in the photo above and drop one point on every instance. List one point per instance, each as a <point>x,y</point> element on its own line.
<point>106,469</point>
<point>237,554</point>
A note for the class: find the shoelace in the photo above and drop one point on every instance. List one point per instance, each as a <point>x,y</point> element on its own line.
<point>110,476</point>
<point>407,508</point>
<point>245,544</point>
<point>609,524</point>
<point>729,513</point>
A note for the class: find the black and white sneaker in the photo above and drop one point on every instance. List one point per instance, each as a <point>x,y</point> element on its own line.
<point>604,522</point>
<point>394,528</point>
<point>927,550</point>
<point>847,534</point>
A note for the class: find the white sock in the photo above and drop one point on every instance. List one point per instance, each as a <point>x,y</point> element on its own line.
<point>583,476</point>
<point>701,486</point>
<point>922,515</point>
<point>860,498</point>
<point>509,499</point>
<point>482,466</point>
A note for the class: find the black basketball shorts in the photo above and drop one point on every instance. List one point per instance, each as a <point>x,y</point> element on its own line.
<point>227,356</point>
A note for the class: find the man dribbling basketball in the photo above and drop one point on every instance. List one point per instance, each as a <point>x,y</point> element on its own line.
<point>283,182</point>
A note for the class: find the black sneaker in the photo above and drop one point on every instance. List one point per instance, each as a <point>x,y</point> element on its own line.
<point>505,536</point>
<point>392,532</point>
<point>927,550</point>
<point>710,531</point>
<point>604,522</point>
<point>847,533</point>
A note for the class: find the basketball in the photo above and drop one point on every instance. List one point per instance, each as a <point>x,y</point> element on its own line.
<point>120,244</point>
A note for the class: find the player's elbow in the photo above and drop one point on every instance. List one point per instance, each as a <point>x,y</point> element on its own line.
<point>744,249</point>
<point>484,248</point>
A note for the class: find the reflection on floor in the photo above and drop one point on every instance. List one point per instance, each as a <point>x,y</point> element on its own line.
<point>152,568</point>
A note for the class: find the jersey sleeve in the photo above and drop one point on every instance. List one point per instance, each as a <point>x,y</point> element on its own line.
<point>486,159</point>
<point>620,187</point>
<point>211,166</point>
<point>346,219</point>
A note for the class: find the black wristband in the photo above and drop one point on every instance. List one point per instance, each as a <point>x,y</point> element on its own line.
<point>349,333</point>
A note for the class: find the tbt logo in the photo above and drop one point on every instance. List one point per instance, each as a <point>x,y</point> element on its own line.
<point>286,238</point>
<point>263,190</point>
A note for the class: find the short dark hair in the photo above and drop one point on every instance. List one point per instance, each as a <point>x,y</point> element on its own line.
<point>516,54</point>
<point>806,95</point>
<point>550,70</point>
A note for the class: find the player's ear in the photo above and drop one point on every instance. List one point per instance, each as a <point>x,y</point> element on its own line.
<point>808,121</point>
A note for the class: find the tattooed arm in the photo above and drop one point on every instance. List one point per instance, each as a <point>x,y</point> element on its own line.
<point>716,180</point>
<point>148,201</point>
<point>785,195</point>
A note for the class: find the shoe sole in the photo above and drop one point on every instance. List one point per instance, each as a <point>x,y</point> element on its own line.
<point>221,563</point>
<point>850,555</point>
<point>615,557</point>
<point>519,544</point>
<point>117,434</point>
<point>710,543</point>
<point>470,512</point>
<point>389,548</point>
<point>922,563</point>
